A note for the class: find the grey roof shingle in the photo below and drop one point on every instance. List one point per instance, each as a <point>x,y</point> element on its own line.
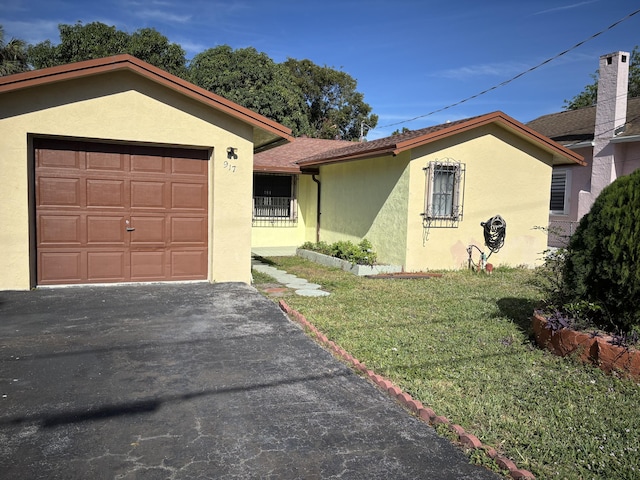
<point>578,125</point>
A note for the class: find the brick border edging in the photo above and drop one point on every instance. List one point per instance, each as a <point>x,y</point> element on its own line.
<point>425,414</point>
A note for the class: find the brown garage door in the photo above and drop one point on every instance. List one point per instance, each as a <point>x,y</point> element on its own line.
<point>115,213</point>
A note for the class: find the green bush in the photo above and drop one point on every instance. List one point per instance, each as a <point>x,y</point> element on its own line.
<point>361,254</point>
<point>602,266</point>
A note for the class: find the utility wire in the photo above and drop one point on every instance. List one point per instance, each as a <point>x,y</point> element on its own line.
<point>506,82</point>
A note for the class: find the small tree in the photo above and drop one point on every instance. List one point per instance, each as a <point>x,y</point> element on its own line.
<point>603,261</point>
<point>13,55</point>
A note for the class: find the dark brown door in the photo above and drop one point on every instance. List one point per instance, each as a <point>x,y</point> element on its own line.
<point>116,213</point>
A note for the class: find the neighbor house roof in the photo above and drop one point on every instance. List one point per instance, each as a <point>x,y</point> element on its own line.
<point>283,158</point>
<point>396,144</point>
<point>266,132</point>
<point>576,126</point>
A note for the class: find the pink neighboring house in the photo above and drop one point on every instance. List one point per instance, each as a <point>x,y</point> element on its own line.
<point>607,135</point>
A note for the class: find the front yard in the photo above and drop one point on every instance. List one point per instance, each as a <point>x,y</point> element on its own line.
<point>460,344</point>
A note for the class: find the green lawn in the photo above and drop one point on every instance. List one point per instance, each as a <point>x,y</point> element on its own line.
<point>460,344</point>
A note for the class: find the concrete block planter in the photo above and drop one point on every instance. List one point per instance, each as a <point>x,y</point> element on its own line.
<point>595,350</point>
<point>360,270</point>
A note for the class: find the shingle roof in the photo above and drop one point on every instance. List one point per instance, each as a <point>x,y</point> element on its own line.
<point>396,144</point>
<point>266,132</point>
<point>283,159</point>
<point>578,125</point>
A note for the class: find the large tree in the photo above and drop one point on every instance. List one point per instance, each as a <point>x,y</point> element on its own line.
<point>96,40</point>
<point>589,95</point>
<point>311,100</point>
<point>13,55</point>
<point>334,107</point>
<point>253,80</point>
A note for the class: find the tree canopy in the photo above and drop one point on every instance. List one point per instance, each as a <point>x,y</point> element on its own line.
<point>253,80</point>
<point>589,95</point>
<point>312,100</point>
<point>96,40</point>
<point>13,55</point>
<point>334,107</point>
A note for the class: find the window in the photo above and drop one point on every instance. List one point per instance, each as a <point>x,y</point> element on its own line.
<point>444,193</point>
<point>274,200</point>
<point>560,188</point>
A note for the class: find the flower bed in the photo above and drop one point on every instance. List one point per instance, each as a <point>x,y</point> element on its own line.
<point>347,266</point>
<point>597,350</point>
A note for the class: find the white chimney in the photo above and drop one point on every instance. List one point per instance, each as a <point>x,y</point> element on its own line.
<point>611,116</point>
<point>611,107</point>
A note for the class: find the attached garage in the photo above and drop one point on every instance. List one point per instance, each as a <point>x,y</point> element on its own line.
<point>115,171</point>
<point>114,213</point>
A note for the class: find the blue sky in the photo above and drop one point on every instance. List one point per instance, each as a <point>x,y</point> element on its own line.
<point>410,57</point>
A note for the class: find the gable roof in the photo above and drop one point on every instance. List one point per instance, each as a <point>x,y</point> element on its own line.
<point>396,144</point>
<point>575,126</point>
<point>283,158</point>
<point>266,132</point>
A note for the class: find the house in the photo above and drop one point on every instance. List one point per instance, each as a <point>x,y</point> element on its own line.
<point>607,135</point>
<point>285,201</point>
<point>116,171</point>
<point>421,196</point>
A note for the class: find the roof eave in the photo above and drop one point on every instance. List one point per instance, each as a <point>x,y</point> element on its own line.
<point>495,117</point>
<point>350,157</point>
<point>275,131</point>
<point>279,169</point>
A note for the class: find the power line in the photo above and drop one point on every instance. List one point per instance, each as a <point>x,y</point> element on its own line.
<point>506,82</point>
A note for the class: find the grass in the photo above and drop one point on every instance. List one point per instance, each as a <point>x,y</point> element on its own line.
<point>460,344</point>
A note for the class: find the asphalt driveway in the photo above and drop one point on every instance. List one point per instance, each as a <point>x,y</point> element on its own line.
<point>182,381</point>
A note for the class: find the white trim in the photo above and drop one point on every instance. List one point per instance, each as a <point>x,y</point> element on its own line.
<point>624,139</point>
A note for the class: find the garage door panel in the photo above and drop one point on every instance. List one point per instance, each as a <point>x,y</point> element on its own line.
<point>181,166</point>
<point>189,196</point>
<point>60,267</point>
<point>148,194</point>
<point>59,192</point>
<point>107,266</point>
<point>60,158</point>
<point>60,229</point>
<point>149,265</point>
<point>148,230</point>
<point>188,230</point>
<point>117,213</point>
<point>106,161</point>
<point>103,230</point>
<point>143,161</point>
<point>188,264</point>
<point>106,193</point>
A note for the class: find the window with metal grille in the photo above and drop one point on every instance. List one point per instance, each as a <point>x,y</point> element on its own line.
<point>444,193</point>
<point>560,182</point>
<point>274,200</point>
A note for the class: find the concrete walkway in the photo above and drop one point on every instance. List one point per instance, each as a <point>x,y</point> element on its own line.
<point>299,285</point>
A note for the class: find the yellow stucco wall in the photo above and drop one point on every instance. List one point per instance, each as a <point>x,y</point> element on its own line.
<point>122,106</point>
<point>505,175</point>
<point>292,236</point>
<point>367,199</point>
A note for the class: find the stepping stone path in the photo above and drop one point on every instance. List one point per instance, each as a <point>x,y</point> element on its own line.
<point>299,285</point>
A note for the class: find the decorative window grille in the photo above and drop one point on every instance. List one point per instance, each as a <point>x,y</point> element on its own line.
<point>274,200</point>
<point>560,188</point>
<point>444,193</point>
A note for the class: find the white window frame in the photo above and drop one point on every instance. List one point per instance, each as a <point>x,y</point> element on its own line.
<point>560,181</point>
<point>434,194</point>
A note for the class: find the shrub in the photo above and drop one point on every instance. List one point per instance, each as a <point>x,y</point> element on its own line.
<point>602,266</point>
<point>361,254</point>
